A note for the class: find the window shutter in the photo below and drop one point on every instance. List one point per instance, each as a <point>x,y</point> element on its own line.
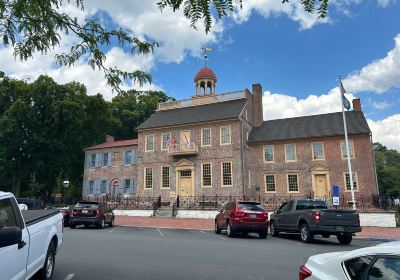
<point>98,160</point>
<point>108,187</point>
<point>134,185</point>
<point>88,159</point>
<point>109,159</point>
<point>121,186</point>
<point>124,158</point>
<point>134,157</point>
<point>97,187</point>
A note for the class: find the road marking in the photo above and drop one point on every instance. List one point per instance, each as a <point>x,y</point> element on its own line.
<point>214,235</point>
<point>298,243</point>
<point>159,231</point>
<point>111,230</point>
<point>69,277</point>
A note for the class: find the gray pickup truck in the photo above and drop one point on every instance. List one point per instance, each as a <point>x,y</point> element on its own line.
<point>312,217</point>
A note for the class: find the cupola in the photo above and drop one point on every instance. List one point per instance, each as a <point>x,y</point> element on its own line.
<point>205,81</point>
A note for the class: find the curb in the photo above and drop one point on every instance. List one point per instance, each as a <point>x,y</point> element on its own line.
<point>377,239</point>
<point>195,229</point>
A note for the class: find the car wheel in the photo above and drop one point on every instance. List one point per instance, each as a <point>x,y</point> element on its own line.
<point>101,224</point>
<point>216,228</point>
<point>305,233</point>
<point>46,272</point>
<point>229,230</point>
<point>72,225</point>
<point>111,224</point>
<point>344,238</point>
<point>325,235</point>
<point>86,225</point>
<point>263,234</point>
<point>273,230</point>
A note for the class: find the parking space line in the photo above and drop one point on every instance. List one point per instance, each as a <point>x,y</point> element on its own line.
<point>69,276</point>
<point>214,235</point>
<point>159,231</point>
<point>113,229</point>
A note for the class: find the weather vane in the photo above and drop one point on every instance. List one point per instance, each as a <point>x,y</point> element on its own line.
<point>206,49</point>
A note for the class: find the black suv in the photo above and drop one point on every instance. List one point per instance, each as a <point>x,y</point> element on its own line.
<point>89,213</point>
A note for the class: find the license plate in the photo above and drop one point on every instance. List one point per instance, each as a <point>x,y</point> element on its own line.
<point>253,215</point>
<point>84,211</point>
<point>339,228</point>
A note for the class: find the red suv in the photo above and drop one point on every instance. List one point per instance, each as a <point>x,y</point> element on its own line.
<point>243,217</point>
<point>89,213</point>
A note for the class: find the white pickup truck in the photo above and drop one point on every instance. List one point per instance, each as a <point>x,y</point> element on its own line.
<point>29,240</point>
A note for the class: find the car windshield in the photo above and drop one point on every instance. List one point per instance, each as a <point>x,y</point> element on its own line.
<point>250,206</point>
<point>87,204</point>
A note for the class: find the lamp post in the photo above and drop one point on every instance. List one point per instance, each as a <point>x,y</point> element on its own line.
<point>65,186</point>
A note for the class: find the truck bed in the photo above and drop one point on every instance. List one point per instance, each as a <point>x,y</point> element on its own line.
<point>34,216</point>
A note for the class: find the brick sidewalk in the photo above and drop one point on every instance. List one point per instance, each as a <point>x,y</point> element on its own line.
<point>207,224</point>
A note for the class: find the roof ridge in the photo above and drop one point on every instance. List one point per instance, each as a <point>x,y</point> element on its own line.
<point>305,116</point>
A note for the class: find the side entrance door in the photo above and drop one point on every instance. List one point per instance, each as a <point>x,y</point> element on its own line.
<point>321,189</point>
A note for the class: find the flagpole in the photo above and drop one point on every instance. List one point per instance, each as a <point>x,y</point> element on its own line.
<point>347,150</point>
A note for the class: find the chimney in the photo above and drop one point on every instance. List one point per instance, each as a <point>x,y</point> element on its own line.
<point>109,139</point>
<point>257,105</point>
<point>357,105</point>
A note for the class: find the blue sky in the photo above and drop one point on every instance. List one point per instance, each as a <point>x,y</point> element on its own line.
<point>295,56</point>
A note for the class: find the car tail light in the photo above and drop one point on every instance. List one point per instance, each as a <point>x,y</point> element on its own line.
<point>304,272</point>
<point>238,213</point>
<point>316,216</point>
<point>264,215</point>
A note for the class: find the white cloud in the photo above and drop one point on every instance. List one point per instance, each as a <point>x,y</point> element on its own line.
<point>380,105</point>
<point>268,8</point>
<point>378,76</point>
<point>387,131</point>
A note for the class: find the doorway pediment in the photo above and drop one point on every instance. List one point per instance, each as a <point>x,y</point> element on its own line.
<point>319,168</point>
<point>184,163</point>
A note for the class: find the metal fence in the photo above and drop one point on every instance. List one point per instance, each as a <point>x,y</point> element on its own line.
<point>270,202</point>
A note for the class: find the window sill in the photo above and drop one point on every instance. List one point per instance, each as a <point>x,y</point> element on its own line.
<point>290,160</point>
<point>227,144</point>
<point>269,161</point>
<point>271,192</point>
<point>227,186</point>
<point>319,159</point>
<point>165,188</point>
<point>206,186</point>
<point>148,189</point>
<point>294,192</point>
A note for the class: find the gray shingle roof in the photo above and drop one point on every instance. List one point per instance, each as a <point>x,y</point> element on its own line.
<point>202,113</point>
<point>315,126</point>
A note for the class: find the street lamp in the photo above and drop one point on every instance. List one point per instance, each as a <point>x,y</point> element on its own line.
<point>66,184</point>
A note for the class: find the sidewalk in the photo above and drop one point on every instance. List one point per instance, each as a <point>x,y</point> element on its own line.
<point>208,224</point>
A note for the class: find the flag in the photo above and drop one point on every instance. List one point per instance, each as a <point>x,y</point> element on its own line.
<point>345,101</point>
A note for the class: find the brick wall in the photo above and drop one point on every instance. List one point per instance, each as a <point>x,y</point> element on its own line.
<point>362,164</point>
<point>118,171</point>
<point>216,154</point>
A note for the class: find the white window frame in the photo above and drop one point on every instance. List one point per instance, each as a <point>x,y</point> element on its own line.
<point>273,154</point>
<point>145,178</point>
<point>126,188</point>
<point>220,135</point>
<point>265,183</point>
<point>146,140</point>
<point>124,159</point>
<point>323,151</point>
<point>295,153</point>
<point>94,187</point>
<point>202,175</point>
<point>355,180</point>
<point>287,181</point>
<point>202,133</point>
<point>91,161</point>
<point>222,174</point>
<point>162,177</point>
<point>162,140</point>
<point>343,148</point>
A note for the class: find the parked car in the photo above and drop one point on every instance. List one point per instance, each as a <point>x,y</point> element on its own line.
<point>312,217</point>
<point>29,240</point>
<point>376,262</point>
<point>65,210</point>
<point>89,213</point>
<point>242,217</point>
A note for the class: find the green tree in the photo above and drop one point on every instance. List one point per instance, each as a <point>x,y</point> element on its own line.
<point>388,170</point>
<point>196,10</point>
<point>131,108</point>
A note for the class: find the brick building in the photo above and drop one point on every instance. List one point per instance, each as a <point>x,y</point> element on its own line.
<point>218,144</point>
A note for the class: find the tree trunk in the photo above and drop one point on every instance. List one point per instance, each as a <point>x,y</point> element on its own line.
<point>16,186</point>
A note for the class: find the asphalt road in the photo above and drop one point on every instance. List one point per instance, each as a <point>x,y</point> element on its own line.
<point>146,253</point>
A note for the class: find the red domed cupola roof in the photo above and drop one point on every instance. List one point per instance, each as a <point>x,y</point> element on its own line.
<point>205,73</point>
